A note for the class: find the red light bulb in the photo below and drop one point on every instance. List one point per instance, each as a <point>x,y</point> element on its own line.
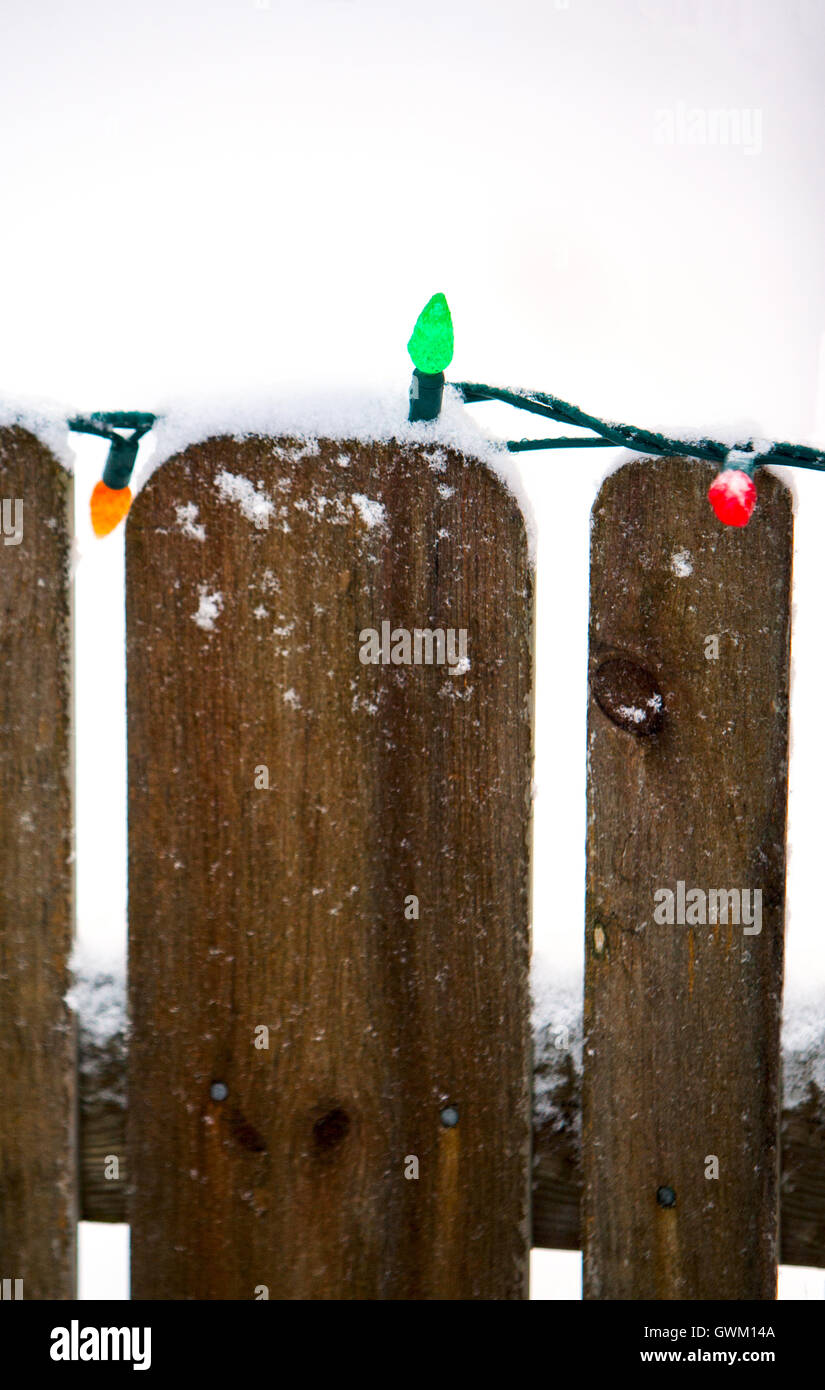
<point>732,494</point>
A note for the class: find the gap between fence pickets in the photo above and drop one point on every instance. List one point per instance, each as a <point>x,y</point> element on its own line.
<point>99,999</point>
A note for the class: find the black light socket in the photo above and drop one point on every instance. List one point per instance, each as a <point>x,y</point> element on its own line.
<point>426,393</point>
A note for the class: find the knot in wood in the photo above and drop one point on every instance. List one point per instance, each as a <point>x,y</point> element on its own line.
<point>629,696</point>
<point>330,1129</point>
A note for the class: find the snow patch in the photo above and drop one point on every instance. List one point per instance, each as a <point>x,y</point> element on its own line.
<point>558,1034</point>
<point>97,994</point>
<point>187,517</point>
<point>372,513</point>
<point>738,483</point>
<point>557,1044</point>
<point>46,420</point>
<point>681,563</point>
<point>209,609</point>
<point>638,715</point>
<point>379,416</point>
<point>256,506</point>
<point>803,1047</point>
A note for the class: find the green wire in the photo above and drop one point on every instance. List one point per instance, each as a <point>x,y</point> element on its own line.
<point>628,436</point>
<point>123,451</point>
<point>604,434</point>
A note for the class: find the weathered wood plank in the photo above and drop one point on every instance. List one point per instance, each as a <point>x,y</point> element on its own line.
<point>557,1176</point>
<point>558,1179</point>
<point>38,1197</point>
<point>285,908</point>
<point>681,1057</point>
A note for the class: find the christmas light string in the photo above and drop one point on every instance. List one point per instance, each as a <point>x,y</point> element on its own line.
<point>112,496</point>
<point>611,435</point>
<point>732,493</point>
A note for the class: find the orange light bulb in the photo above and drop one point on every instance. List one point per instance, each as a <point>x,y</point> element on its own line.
<point>108,507</point>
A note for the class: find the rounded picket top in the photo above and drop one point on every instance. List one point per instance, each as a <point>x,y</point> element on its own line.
<point>357,619</point>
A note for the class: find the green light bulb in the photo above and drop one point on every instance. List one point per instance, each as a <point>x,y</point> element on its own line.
<point>431,344</point>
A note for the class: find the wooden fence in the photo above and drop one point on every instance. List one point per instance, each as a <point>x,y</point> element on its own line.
<point>326,1087</point>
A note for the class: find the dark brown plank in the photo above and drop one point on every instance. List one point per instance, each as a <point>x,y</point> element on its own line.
<point>37,1065</point>
<point>285,907</point>
<point>681,1057</point>
<point>557,1176</point>
<point>558,1181</point>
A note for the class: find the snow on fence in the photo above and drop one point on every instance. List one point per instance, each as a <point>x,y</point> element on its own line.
<point>325,1087</point>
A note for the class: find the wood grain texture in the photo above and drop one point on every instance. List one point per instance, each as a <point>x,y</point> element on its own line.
<point>285,908</point>
<point>558,1180</point>
<point>681,1057</point>
<point>38,1190</point>
<point>557,1175</point>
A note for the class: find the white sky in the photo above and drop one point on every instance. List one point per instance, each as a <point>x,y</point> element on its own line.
<point>211,196</point>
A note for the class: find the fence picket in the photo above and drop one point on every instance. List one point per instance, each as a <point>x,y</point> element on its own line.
<point>287,1170</point>
<point>681,1056</point>
<point>38,1187</point>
